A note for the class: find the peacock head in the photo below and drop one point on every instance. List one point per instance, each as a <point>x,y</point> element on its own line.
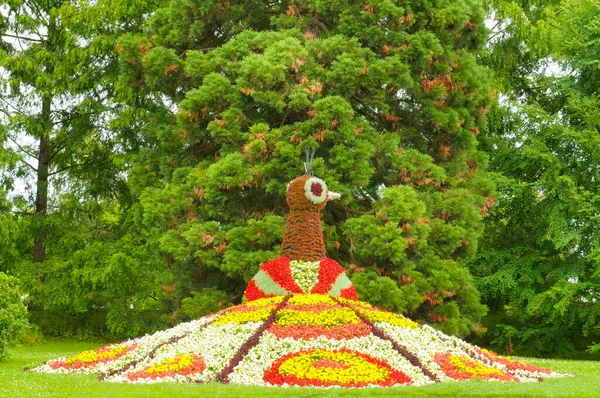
<point>308,193</point>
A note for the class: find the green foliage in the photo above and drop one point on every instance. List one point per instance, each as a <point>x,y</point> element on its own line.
<point>66,243</point>
<point>538,270</point>
<point>169,131</point>
<point>13,313</point>
<point>389,94</point>
<point>208,301</point>
<point>385,293</point>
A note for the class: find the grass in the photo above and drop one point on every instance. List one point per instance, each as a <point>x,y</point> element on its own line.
<point>14,382</point>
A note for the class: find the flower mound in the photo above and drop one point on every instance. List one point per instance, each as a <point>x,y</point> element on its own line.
<point>316,340</point>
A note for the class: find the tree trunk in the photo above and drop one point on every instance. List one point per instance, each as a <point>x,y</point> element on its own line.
<point>41,198</point>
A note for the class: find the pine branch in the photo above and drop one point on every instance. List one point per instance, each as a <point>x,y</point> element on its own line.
<point>20,147</point>
<point>69,167</point>
<point>28,165</point>
<point>16,36</point>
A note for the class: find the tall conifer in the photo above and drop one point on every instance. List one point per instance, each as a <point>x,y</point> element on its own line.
<point>388,92</point>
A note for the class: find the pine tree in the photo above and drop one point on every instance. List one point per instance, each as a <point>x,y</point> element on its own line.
<point>58,84</point>
<point>60,70</point>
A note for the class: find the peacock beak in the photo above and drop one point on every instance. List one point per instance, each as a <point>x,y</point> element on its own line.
<point>333,195</point>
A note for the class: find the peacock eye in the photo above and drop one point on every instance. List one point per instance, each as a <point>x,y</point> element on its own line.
<point>315,190</point>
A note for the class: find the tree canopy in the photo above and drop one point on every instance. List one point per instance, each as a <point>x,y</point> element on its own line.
<point>538,267</point>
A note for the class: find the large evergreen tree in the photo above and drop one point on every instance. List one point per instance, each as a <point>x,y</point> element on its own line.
<point>389,94</point>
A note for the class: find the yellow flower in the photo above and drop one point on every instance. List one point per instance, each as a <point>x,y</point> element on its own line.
<point>310,299</point>
<point>464,364</point>
<point>353,368</point>
<point>391,318</point>
<point>264,301</point>
<point>175,364</point>
<point>96,355</point>
<point>238,317</point>
<point>329,318</point>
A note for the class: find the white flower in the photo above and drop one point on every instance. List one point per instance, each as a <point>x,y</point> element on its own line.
<point>315,190</point>
<point>305,273</point>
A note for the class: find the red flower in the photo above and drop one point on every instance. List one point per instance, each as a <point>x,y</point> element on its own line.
<point>313,307</point>
<point>349,293</point>
<point>329,271</point>
<point>254,293</point>
<point>197,366</point>
<point>511,364</point>
<point>469,370</point>
<point>78,363</point>
<point>306,332</point>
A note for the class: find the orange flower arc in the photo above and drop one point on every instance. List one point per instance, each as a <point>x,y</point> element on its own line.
<point>182,364</point>
<point>462,368</point>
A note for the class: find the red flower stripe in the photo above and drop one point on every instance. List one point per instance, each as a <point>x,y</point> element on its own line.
<point>329,270</point>
<point>244,308</point>
<point>280,272</point>
<point>511,364</point>
<point>77,364</point>
<point>312,308</point>
<point>349,293</point>
<point>306,332</point>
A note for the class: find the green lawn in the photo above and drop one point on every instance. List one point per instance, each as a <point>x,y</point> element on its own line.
<point>14,382</point>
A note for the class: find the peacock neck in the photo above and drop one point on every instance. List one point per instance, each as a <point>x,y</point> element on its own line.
<point>303,238</point>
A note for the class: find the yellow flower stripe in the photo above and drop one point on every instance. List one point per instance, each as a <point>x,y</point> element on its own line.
<point>329,318</point>
<point>391,318</point>
<point>264,301</point>
<point>310,299</point>
<point>245,316</point>
<point>464,364</point>
<point>354,303</point>
<point>356,369</point>
<point>172,364</point>
<point>96,355</point>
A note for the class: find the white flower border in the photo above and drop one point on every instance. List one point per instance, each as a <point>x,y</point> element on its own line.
<point>217,345</point>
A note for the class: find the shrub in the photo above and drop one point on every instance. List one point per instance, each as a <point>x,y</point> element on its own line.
<point>12,313</point>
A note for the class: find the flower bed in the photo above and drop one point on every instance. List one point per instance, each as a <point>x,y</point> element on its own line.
<point>301,340</point>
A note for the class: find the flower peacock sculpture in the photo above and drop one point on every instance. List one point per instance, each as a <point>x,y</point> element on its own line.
<point>301,325</point>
